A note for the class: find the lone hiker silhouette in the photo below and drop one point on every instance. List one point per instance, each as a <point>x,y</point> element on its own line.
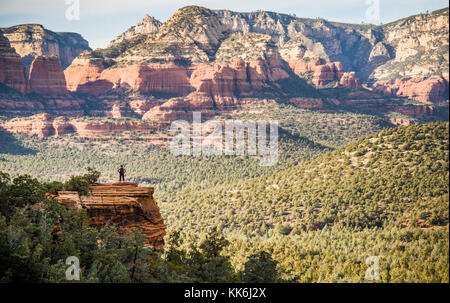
<point>121,173</point>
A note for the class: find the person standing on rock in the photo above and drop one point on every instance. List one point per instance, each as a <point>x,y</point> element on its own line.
<point>121,173</point>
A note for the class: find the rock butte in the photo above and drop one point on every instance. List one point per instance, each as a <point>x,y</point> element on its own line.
<point>12,71</point>
<point>47,76</point>
<point>124,204</point>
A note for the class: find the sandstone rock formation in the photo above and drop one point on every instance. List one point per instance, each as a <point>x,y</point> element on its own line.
<point>61,126</point>
<point>123,204</point>
<point>47,76</point>
<point>156,78</point>
<point>211,60</point>
<point>324,73</point>
<point>146,26</point>
<point>171,110</point>
<point>180,108</point>
<point>12,70</point>
<point>40,125</point>
<point>426,90</point>
<point>349,80</point>
<point>45,125</point>
<point>207,43</point>
<point>88,75</point>
<point>221,82</point>
<point>417,47</point>
<point>83,76</point>
<point>31,40</point>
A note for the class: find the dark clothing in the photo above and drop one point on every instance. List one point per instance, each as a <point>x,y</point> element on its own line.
<point>121,174</point>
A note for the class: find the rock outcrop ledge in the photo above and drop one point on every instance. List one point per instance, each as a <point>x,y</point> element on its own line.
<point>124,204</point>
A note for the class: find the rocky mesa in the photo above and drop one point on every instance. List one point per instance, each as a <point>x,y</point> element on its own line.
<point>124,204</point>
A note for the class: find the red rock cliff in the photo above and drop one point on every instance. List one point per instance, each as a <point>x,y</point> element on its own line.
<point>158,78</point>
<point>426,90</point>
<point>325,73</point>
<point>47,76</point>
<point>12,71</point>
<point>83,76</point>
<point>219,81</point>
<point>45,125</point>
<point>124,204</point>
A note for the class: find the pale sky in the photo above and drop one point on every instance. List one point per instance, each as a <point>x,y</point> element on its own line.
<point>100,21</point>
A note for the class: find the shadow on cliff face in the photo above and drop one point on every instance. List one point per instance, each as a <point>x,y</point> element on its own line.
<point>10,145</point>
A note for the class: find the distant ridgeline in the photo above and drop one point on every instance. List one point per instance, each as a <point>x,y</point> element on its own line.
<point>218,60</point>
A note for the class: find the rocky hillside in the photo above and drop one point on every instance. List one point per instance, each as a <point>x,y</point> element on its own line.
<point>31,40</point>
<point>148,25</point>
<point>373,52</point>
<point>416,46</point>
<point>316,50</point>
<point>45,78</point>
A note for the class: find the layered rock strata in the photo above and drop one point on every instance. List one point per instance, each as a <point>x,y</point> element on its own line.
<point>124,204</point>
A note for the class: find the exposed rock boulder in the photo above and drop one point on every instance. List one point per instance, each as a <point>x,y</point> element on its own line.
<point>124,204</point>
<point>47,76</point>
